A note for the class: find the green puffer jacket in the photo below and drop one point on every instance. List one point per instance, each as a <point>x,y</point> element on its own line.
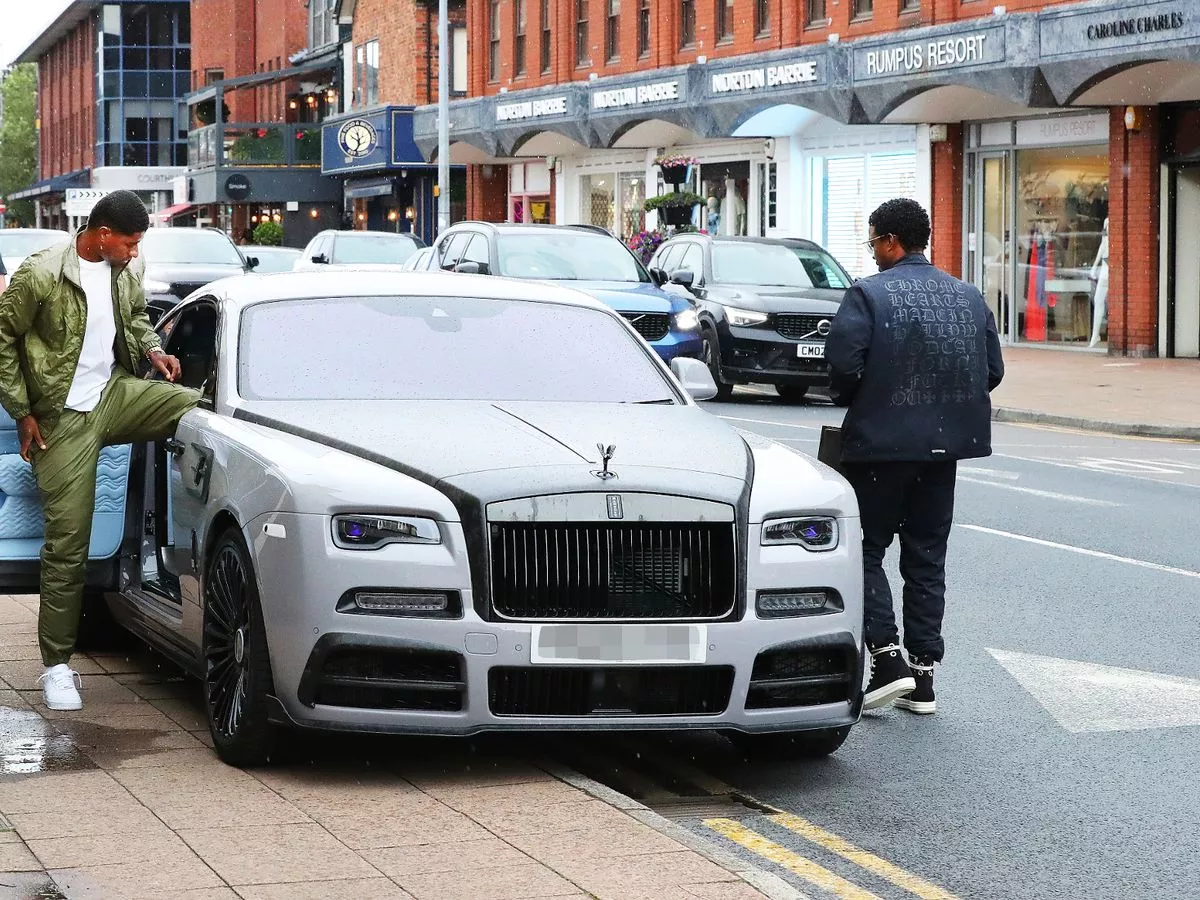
<point>43,315</point>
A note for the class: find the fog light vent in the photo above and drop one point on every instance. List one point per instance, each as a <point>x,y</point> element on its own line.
<point>421,604</point>
<point>778,604</point>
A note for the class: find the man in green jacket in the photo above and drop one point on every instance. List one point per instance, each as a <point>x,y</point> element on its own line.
<point>73,328</point>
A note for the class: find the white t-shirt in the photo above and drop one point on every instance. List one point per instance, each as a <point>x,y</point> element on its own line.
<point>96,360</point>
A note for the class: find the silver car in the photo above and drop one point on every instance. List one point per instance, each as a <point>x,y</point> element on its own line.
<point>413,503</point>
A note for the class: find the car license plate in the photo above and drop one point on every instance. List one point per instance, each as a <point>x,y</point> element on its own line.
<point>618,644</point>
<point>810,351</point>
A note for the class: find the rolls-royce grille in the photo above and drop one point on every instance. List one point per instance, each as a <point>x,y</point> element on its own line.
<point>609,691</point>
<point>651,326</point>
<point>622,571</point>
<point>800,327</point>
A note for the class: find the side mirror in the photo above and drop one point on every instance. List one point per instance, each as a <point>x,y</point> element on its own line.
<point>470,268</point>
<point>683,278</point>
<point>321,259</point>
<point>251,263</point>
<point>695,377</point>
<point>658,276</point>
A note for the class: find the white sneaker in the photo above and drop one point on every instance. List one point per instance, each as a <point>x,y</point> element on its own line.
<point>59,688</point>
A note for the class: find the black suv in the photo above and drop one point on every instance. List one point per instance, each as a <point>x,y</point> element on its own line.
<point>765,304</point>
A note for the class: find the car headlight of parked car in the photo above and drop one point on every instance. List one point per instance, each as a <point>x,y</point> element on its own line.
<point>366,532</point>
<point>688,320</point>
<point>154,286</point>
<point>743,317</point>
<point>816,533</point>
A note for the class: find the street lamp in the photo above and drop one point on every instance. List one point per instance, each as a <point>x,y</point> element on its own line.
<point>443,151</point>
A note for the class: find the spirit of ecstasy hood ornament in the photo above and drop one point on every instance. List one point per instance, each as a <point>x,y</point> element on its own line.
<point>606,455</point>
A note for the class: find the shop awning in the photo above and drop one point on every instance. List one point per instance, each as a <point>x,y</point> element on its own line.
<point>54,185</point>
<point>172,211</point>
<point>368,187</point>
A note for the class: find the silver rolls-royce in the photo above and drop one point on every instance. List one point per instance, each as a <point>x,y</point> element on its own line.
<point>435,503</point>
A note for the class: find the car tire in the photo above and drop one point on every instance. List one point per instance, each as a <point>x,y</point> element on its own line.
<point>711,354</point>
<point>236,660</point>
<point>790,393</point>
<point>816,743</point>
<point>98,630</point>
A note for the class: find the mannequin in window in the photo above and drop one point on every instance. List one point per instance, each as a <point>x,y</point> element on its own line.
<point>1100,296</point>
<point>733,209</point>
<point>712,216</point>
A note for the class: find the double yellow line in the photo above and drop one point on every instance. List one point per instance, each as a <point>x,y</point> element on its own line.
<point>818,875</point>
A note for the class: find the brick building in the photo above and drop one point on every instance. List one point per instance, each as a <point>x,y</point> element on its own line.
<point>110,75</point>
<point>1057,145</point>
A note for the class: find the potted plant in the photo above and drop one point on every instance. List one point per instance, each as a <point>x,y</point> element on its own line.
<point>644,243</point>
<point>268,234</point>
<point>674,167</point>
<point>675,208</point>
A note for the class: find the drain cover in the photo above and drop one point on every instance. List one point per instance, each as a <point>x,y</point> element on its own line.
<point>722,806</point>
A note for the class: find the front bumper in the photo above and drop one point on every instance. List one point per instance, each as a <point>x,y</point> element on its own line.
<point>679,343</point>
<point>487,665</point>
<point>764,356</point>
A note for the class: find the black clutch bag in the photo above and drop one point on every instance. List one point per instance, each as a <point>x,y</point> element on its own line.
<point>830,449</point>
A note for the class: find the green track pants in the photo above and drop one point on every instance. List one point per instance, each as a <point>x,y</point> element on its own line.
<point>131,410</point>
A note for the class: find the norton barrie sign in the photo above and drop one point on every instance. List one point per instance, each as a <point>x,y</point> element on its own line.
<point>765,77</point>
<point>531,109</point>
<point>637,95</point>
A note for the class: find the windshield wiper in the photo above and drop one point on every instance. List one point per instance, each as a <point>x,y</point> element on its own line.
<point>665,401</point>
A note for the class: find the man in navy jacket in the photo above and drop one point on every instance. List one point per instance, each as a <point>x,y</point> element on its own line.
<point>914,353</point>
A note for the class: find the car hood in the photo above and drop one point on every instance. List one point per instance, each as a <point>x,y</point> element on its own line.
<point>190,273</point>
<point>773,299</point>
<point>628,296</point>
<point>490,450</point>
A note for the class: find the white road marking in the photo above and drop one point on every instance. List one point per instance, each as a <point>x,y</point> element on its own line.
<point>768,422</point>
<point>1049,495</point>
<point>990,473</point>
<point>1088,697</point>
<point>1124,466</point>
<point>1097,554</point>
<point>1171,463</point>
<point>1079,468</point>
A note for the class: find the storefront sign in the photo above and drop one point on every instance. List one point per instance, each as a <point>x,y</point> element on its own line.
<point>238,187</point>
<point>1070,33</point>
<point>765,77</point>
<point>638,95</point>
<point>373,141</point>
<point>1089,129</point>
<point>136,178</point>
<point>933,55</point>
<point>531,109</point>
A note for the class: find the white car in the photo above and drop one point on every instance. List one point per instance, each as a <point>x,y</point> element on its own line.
<point>18,243</point>
<point>357,249</point>
<point>408,503</point>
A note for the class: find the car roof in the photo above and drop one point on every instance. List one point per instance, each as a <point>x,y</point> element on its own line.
<point>532,228</point>
<point>248,290</point>
<point>270,248</point>
<point>350,232</point>
<point>734,239</point>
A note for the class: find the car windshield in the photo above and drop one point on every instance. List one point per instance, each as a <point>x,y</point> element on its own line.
<point>183,246</point>
<point>273,259</point>
<point>22,243</point>
<point>442,348</point>
<point>823,271</point>
<point>372,248</point>
<point>567,255</point>
<point>776,265</point>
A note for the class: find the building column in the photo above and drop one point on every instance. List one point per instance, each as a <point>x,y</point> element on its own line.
<point>947,190</point>
<point>1133,229</point>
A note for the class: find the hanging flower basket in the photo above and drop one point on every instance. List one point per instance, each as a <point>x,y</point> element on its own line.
<point>674,167</point>
<point>676,215</point>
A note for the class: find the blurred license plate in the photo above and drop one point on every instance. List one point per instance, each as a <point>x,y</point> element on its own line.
<point>810,351</point>
<point>619,644</point>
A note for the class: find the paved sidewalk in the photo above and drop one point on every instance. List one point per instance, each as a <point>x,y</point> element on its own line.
<point>1159,397</point>
<point>126,801</point>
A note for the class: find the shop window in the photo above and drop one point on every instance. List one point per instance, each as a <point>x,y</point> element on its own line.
<point>583,54</point>
<point>687,23</point>
<point>725,187</point>
<point>768,207</point>
<point>762,18</point>
<point>851,188</point>
<point>598,196</point>
<point>547,42</point>
<point>863,9</point>
<point>643,28</point>
<point>519,36</point>
<point>724,20</point>
<point>633,199</point>
<point>494,41</point>
<point>612,32</point>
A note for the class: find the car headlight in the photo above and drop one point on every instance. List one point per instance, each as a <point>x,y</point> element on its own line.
<point>154,286</point>
<point>743,317</point>
<point>352,532</point>
<point>817,533</point>
<point>688,320</point>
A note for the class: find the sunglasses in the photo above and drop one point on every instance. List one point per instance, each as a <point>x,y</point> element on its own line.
<point>870,245</point>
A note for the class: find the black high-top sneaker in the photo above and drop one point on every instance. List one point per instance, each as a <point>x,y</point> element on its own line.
<point>921,700</point>
<point>890,677</point>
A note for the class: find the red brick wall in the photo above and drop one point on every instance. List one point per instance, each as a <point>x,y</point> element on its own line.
<point>67,104</point>
<point>229,49</point>
<point>1133,212</point>
<point>947,191</point>
<point>280,29</point>
<point>487,194</point>
<point>408,46</point>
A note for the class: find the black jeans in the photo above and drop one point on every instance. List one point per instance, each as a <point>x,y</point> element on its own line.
<point>916,501</point>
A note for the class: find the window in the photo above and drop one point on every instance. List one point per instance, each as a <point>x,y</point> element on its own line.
<point>693,261</point>
<point>494,41</point>
<point>612,32</point>
<point>724,20</point>
<point>643,28</point>
<point>451,248</point>
<point>193,341</point>
<point>458,60</point>
<point>762,17</point>
<point>567,256</point>
<point>583,56</point>
<point>213,75</point>
<point>863,8</point>
<point>910,5</point>
<point>360,75</point>
<point>371,83</point>
<point>547,45</point>
<point>815,12</point>
<point>852,187</point>
<point>322,29</point>
<point>519,36</point>
<point>768,207</point>
<point>477,252</point>
<point>687,23</point>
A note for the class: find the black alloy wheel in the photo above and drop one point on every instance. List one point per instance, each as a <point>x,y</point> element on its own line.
<point>782,745</point>
<point>791,393</point>
<point>237,664</point>
<point>712,359</point>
